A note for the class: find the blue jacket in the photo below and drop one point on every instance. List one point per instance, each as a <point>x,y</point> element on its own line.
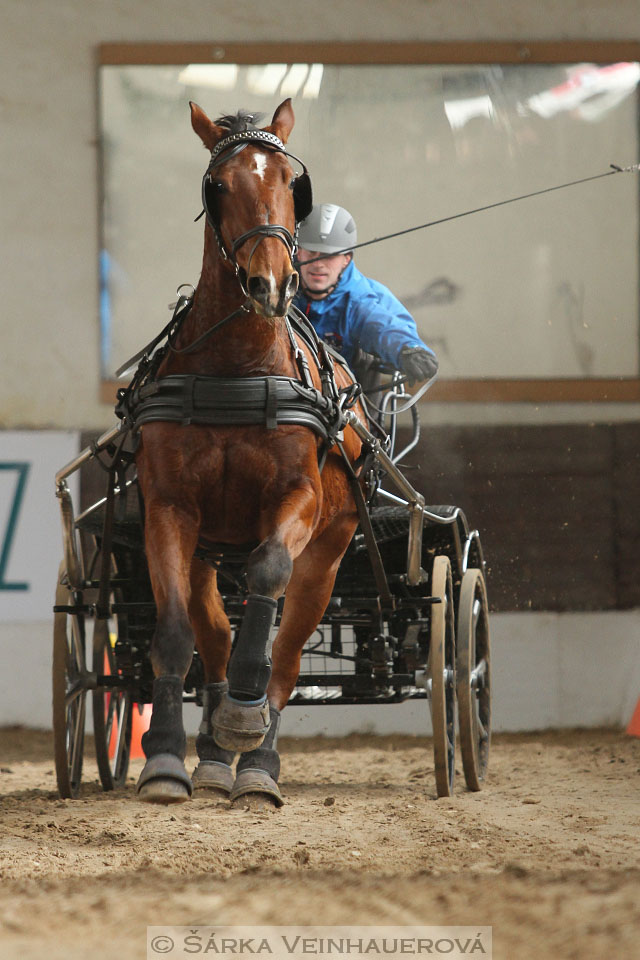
<point>362,313</point>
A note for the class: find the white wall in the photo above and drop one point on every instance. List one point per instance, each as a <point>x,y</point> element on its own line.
<point>549,671</point>
<point>49,350</point>
<point>49,359</point>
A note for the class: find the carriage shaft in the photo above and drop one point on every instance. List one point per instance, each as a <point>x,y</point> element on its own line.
<point>415,505</point>
<point>103,441</point>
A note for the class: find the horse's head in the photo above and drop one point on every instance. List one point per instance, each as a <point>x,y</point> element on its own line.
<point>253,202</point>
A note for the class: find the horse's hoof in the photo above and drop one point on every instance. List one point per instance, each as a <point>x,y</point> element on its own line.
<point>258,788</point>
<point>164,779</point>
<point>213,775</point>
<point>240,725</point>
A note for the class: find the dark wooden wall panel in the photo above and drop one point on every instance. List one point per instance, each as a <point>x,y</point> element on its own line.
<point>558,509</point>
<point>626,498</point>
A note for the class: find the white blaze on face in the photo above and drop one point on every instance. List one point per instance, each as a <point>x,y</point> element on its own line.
<point>260,160</point>
<point>260,165</point>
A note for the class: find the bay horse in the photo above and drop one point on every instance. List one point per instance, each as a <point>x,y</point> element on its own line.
<point>236,485</point>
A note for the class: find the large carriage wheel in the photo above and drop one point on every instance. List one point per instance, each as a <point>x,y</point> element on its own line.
<point>69,690</point>
<point>112,705</point>
<point>474,677</point>
<point>112,712</point>
<point>441,670</point>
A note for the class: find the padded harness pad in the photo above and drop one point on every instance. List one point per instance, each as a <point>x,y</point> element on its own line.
<point>266,401</point>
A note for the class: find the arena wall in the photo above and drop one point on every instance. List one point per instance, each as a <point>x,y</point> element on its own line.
<point>565,667</point>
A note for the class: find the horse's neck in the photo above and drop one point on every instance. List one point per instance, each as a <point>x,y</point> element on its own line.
<point>247,345</point>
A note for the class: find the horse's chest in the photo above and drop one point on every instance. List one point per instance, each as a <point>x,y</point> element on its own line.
<point>240,482</point>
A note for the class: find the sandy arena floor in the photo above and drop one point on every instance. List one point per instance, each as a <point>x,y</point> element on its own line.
<point>547,854</point>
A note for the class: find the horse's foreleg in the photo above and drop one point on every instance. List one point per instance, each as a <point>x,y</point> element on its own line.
<point>242,719</point>
<point>170,539</point>
<point>213,642</point>
<point>308,595</point>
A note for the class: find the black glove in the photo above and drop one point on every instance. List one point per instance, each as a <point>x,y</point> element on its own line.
<point>417,364</point>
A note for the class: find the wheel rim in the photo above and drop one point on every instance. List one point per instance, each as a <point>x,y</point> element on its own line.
<point>474,678</point>
<point>442,676</point>
<point>69,693</point>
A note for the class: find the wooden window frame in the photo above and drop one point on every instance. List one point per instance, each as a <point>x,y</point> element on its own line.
<point>475,390</point>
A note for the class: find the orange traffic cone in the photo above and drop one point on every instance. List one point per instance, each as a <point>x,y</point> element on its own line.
<point>634,724</point>
<point>139,724</point>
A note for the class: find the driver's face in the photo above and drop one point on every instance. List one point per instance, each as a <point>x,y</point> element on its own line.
<point>322,274</point>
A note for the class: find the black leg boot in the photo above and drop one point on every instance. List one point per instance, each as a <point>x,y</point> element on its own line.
<point>258,770</point>
<point>241,721</point>
<point>164,778</point>
<point>214,770</point>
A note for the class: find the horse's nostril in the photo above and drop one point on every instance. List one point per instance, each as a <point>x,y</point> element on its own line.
<point>258,288</point>
<point>257,285</point>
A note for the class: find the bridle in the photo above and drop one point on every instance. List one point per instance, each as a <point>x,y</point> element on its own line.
<point>224,150</point>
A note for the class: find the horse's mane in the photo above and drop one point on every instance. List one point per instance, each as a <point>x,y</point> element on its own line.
<point>239,122</point>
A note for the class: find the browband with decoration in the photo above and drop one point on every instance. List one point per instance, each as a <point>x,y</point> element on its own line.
<point>244,137</point>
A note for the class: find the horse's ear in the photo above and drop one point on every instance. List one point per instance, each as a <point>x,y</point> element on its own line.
<point>208,132</point>
<point>283,120</point>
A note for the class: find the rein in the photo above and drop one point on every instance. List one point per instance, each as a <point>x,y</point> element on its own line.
<point>634,168</point>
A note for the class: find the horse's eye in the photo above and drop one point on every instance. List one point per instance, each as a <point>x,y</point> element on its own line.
<point>217,185</point>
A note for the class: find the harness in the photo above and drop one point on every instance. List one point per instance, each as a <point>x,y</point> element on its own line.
<point>241,401</point>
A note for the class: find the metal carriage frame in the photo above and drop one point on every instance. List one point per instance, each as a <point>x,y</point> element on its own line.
<point>408,618</point>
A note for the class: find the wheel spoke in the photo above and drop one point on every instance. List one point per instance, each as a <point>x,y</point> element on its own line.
<point>78,737</point>
<point>122,732</point>
<point>477,610</point>
<point>484,735</point>
<point>77,633</point>
<point>477,675</point>
<point>74,691</point>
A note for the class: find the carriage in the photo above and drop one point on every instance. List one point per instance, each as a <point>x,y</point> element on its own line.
<point>423,633</point>
<point>407,616</point>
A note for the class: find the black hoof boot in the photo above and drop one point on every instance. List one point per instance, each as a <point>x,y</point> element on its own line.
<point>214,769</point>
<point>257,772</point>
<point>164,779</point>
<point>240,725</point>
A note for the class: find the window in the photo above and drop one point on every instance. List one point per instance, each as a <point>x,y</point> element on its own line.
<point>532,300</point>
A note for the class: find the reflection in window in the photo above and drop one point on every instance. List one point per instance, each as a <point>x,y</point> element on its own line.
<point>547,287</point>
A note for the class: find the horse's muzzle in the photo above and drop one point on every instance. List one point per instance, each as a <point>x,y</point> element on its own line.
<point>269,299</point>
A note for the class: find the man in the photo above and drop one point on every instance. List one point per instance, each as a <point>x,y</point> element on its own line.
<point>348,309</point>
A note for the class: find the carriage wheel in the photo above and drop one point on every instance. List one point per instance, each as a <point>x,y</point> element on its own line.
<point>442,674</point>
<point>112,712</point>
<point>474,678</point>
<point>69,691</point>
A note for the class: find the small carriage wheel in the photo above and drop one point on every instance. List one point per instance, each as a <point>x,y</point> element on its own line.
<point>441,670</point>
<point>69,677</point>
<point>474,677</point>
<point>112,713</point>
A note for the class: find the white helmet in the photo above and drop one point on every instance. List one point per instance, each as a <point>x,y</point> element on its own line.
<point>328,229</point>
